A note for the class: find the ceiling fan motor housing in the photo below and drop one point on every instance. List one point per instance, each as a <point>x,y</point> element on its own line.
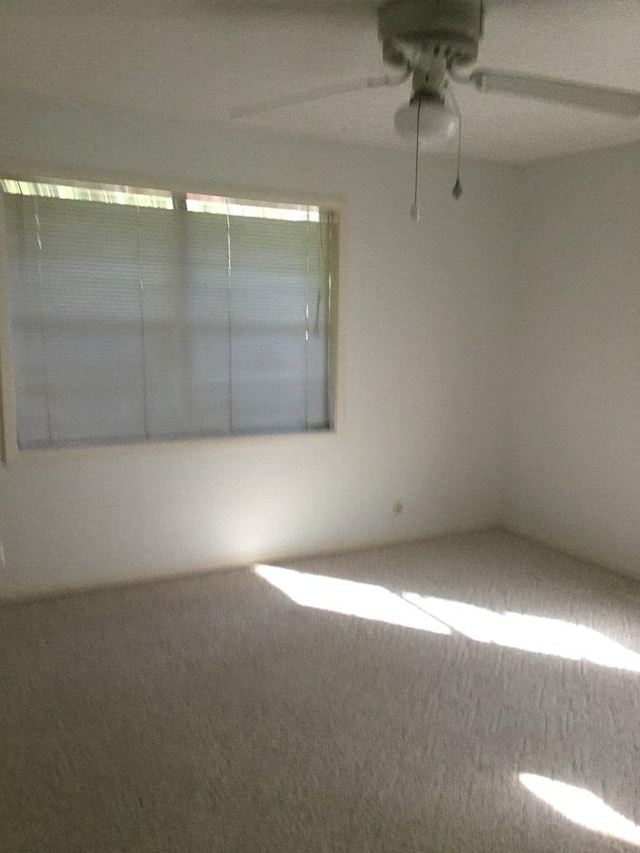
<point>412,29</point>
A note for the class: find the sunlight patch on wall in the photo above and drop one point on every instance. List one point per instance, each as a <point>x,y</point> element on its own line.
<point>349,597</point>
<point>529,633</point>
<point>582,807</point>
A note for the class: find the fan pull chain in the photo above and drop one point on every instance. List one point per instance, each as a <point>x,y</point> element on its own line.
<point>457,187</point>
<point>414,213</point>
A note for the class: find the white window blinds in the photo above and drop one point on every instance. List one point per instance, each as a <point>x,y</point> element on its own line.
<point>138,316</point>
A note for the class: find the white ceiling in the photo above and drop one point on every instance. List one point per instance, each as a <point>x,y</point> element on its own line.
<point>196,59</point>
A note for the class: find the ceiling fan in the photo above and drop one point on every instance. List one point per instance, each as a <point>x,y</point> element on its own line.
<point>435,42</point>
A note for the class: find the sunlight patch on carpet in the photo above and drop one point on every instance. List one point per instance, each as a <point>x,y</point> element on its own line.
<point>582,807</point>
<point>521,631</point>
<point>349,597</point>
<point>529,633</point>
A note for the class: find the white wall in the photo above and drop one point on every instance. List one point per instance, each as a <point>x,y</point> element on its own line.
<point>575,447</point>
<point>424,317</point>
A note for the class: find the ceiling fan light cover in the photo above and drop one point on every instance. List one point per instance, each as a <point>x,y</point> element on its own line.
<point>438,122</point>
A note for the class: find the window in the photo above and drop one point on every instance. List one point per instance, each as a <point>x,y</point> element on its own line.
<point>143,314</point>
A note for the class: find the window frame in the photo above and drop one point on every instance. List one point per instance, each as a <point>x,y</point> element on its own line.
<point>10,452</point>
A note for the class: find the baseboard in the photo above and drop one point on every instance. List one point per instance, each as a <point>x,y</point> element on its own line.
<point>575,554</point>
<point>19,596</point>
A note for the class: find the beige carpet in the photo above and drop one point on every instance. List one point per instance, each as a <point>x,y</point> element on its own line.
<point>217,713</point>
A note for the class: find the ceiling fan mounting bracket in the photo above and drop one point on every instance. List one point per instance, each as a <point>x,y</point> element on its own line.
<point>413,30</point>
<point>429,73</point>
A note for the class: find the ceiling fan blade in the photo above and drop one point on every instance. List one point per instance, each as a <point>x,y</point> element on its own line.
<point>615,101</point>
<point>316,94</point>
